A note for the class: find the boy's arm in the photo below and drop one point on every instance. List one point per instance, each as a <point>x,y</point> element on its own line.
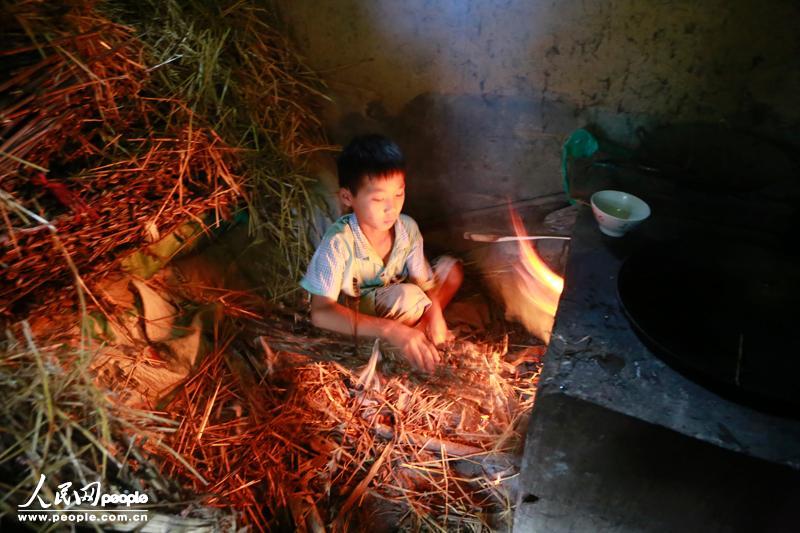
<point>328,314</point>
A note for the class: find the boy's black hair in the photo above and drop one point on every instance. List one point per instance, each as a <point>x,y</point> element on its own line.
<point>368,156</point>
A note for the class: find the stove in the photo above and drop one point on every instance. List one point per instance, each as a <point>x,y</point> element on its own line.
<point>624,438</point>
<point>721,312</point>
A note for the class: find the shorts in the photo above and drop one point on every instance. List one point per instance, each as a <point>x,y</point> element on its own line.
<point>404,302</point>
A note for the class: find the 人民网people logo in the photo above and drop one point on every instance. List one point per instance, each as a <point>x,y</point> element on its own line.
<point>90,494</point>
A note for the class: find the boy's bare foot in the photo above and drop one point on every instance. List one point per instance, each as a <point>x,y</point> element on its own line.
<point>433,321</point>
<point>434,325</point>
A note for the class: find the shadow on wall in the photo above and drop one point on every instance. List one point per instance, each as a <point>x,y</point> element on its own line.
<point>673,59</point>
<point>481,94</point>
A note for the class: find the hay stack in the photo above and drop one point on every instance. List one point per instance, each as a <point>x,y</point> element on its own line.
<point>93,168</point>
<point>117,127</point>
<point>109,142</point>
<point>104,150</point>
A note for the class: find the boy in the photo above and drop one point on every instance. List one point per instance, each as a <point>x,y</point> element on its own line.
<point>369,276</point>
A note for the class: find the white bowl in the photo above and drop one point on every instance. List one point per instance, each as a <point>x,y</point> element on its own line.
<point>618,212</point>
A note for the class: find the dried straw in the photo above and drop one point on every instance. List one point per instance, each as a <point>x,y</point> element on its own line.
<point>229,62</point>
<point>110,138</point>
<point>57,423</point>
<point>310,441</point>
<point>103,166</point>
<point>114,154</point>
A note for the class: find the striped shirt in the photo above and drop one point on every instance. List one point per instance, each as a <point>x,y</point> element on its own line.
<point>345,261</point>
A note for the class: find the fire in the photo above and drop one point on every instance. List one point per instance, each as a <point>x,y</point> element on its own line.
<point>539,286</point>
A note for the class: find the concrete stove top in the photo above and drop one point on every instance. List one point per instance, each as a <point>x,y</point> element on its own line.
<point>619,441</point>
<point>595,355</point>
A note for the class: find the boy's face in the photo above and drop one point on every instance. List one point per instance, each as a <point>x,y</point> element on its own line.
<point>378,201</point>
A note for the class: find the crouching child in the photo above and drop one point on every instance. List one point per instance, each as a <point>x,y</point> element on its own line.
<point>369,275</point>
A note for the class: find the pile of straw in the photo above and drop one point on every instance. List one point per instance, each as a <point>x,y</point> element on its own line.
<point>92,168</point>
<point>57,423</point>
<point>279,427</point>
<point>291,427</point>
<point>317,442</point>
<point>117,127</point>
<point>112,136</point>
<point>233,67</point>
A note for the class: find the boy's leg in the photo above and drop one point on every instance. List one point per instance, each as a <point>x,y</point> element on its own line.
<point>449,274</point>
<point>404,302</point>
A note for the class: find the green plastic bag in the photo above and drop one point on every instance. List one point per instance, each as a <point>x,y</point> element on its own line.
<point>580,144</point>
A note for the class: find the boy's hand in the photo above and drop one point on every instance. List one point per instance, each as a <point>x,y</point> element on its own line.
<point>435,326</point>
<point>414,346</point>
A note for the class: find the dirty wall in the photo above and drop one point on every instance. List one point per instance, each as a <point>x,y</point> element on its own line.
<point>481,93</point>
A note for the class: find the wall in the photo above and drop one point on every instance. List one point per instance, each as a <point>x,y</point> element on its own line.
<point>481,93</point>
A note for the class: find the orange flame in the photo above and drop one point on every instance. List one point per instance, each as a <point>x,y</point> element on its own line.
<point>539,284</point>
